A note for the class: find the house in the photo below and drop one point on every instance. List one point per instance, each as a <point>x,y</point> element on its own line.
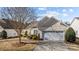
<point>55,32</point>
<point>48,28</point>
<point>32,25</point>
<point>75,25</point>
<point>9,29</point>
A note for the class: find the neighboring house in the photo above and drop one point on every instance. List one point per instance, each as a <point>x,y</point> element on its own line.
<point>48,28</point>
<point>75,25</point>
<point>30,28</point>
<point>5,26</point>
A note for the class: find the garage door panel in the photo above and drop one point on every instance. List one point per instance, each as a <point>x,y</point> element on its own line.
<point>55,36</point>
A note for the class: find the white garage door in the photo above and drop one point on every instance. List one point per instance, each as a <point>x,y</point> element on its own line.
<point>55,36</point>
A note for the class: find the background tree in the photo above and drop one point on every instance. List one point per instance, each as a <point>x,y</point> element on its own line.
<point>17,17</point>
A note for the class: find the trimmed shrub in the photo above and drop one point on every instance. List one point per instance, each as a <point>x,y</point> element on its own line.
<point>21,35</point>
<point>34,37</point>
<point>3,34</point>
<point>70,35</point>
<point>25,33</point>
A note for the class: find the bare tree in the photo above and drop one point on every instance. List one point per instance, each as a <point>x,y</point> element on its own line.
<point>18,17</point>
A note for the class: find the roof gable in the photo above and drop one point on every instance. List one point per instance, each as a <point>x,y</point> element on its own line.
<point>7,24</point>
<point>75,24</point>
<point>33,24</point>
<point>46,21</point>
<point>56,27</point>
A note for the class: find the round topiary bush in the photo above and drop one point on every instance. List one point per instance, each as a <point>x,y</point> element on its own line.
<point>4,34</point>
<point>70,35</point>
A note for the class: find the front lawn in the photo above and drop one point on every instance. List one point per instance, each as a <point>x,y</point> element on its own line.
<point>12,45</point>
<point>74,46</point>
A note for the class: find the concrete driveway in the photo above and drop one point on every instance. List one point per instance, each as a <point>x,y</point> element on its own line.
<point>52,46</point>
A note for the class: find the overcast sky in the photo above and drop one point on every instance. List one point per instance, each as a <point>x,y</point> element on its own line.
<point>62,13</point>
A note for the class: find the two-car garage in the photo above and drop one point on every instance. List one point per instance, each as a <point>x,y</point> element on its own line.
<point>55,32</point>
<point>53,35</point>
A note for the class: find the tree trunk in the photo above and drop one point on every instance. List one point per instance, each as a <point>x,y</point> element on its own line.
<point>20,39</point>
<point>19,36</point>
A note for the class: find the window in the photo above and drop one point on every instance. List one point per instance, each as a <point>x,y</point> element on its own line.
<point>35,32</point>
<point>14,33</point>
